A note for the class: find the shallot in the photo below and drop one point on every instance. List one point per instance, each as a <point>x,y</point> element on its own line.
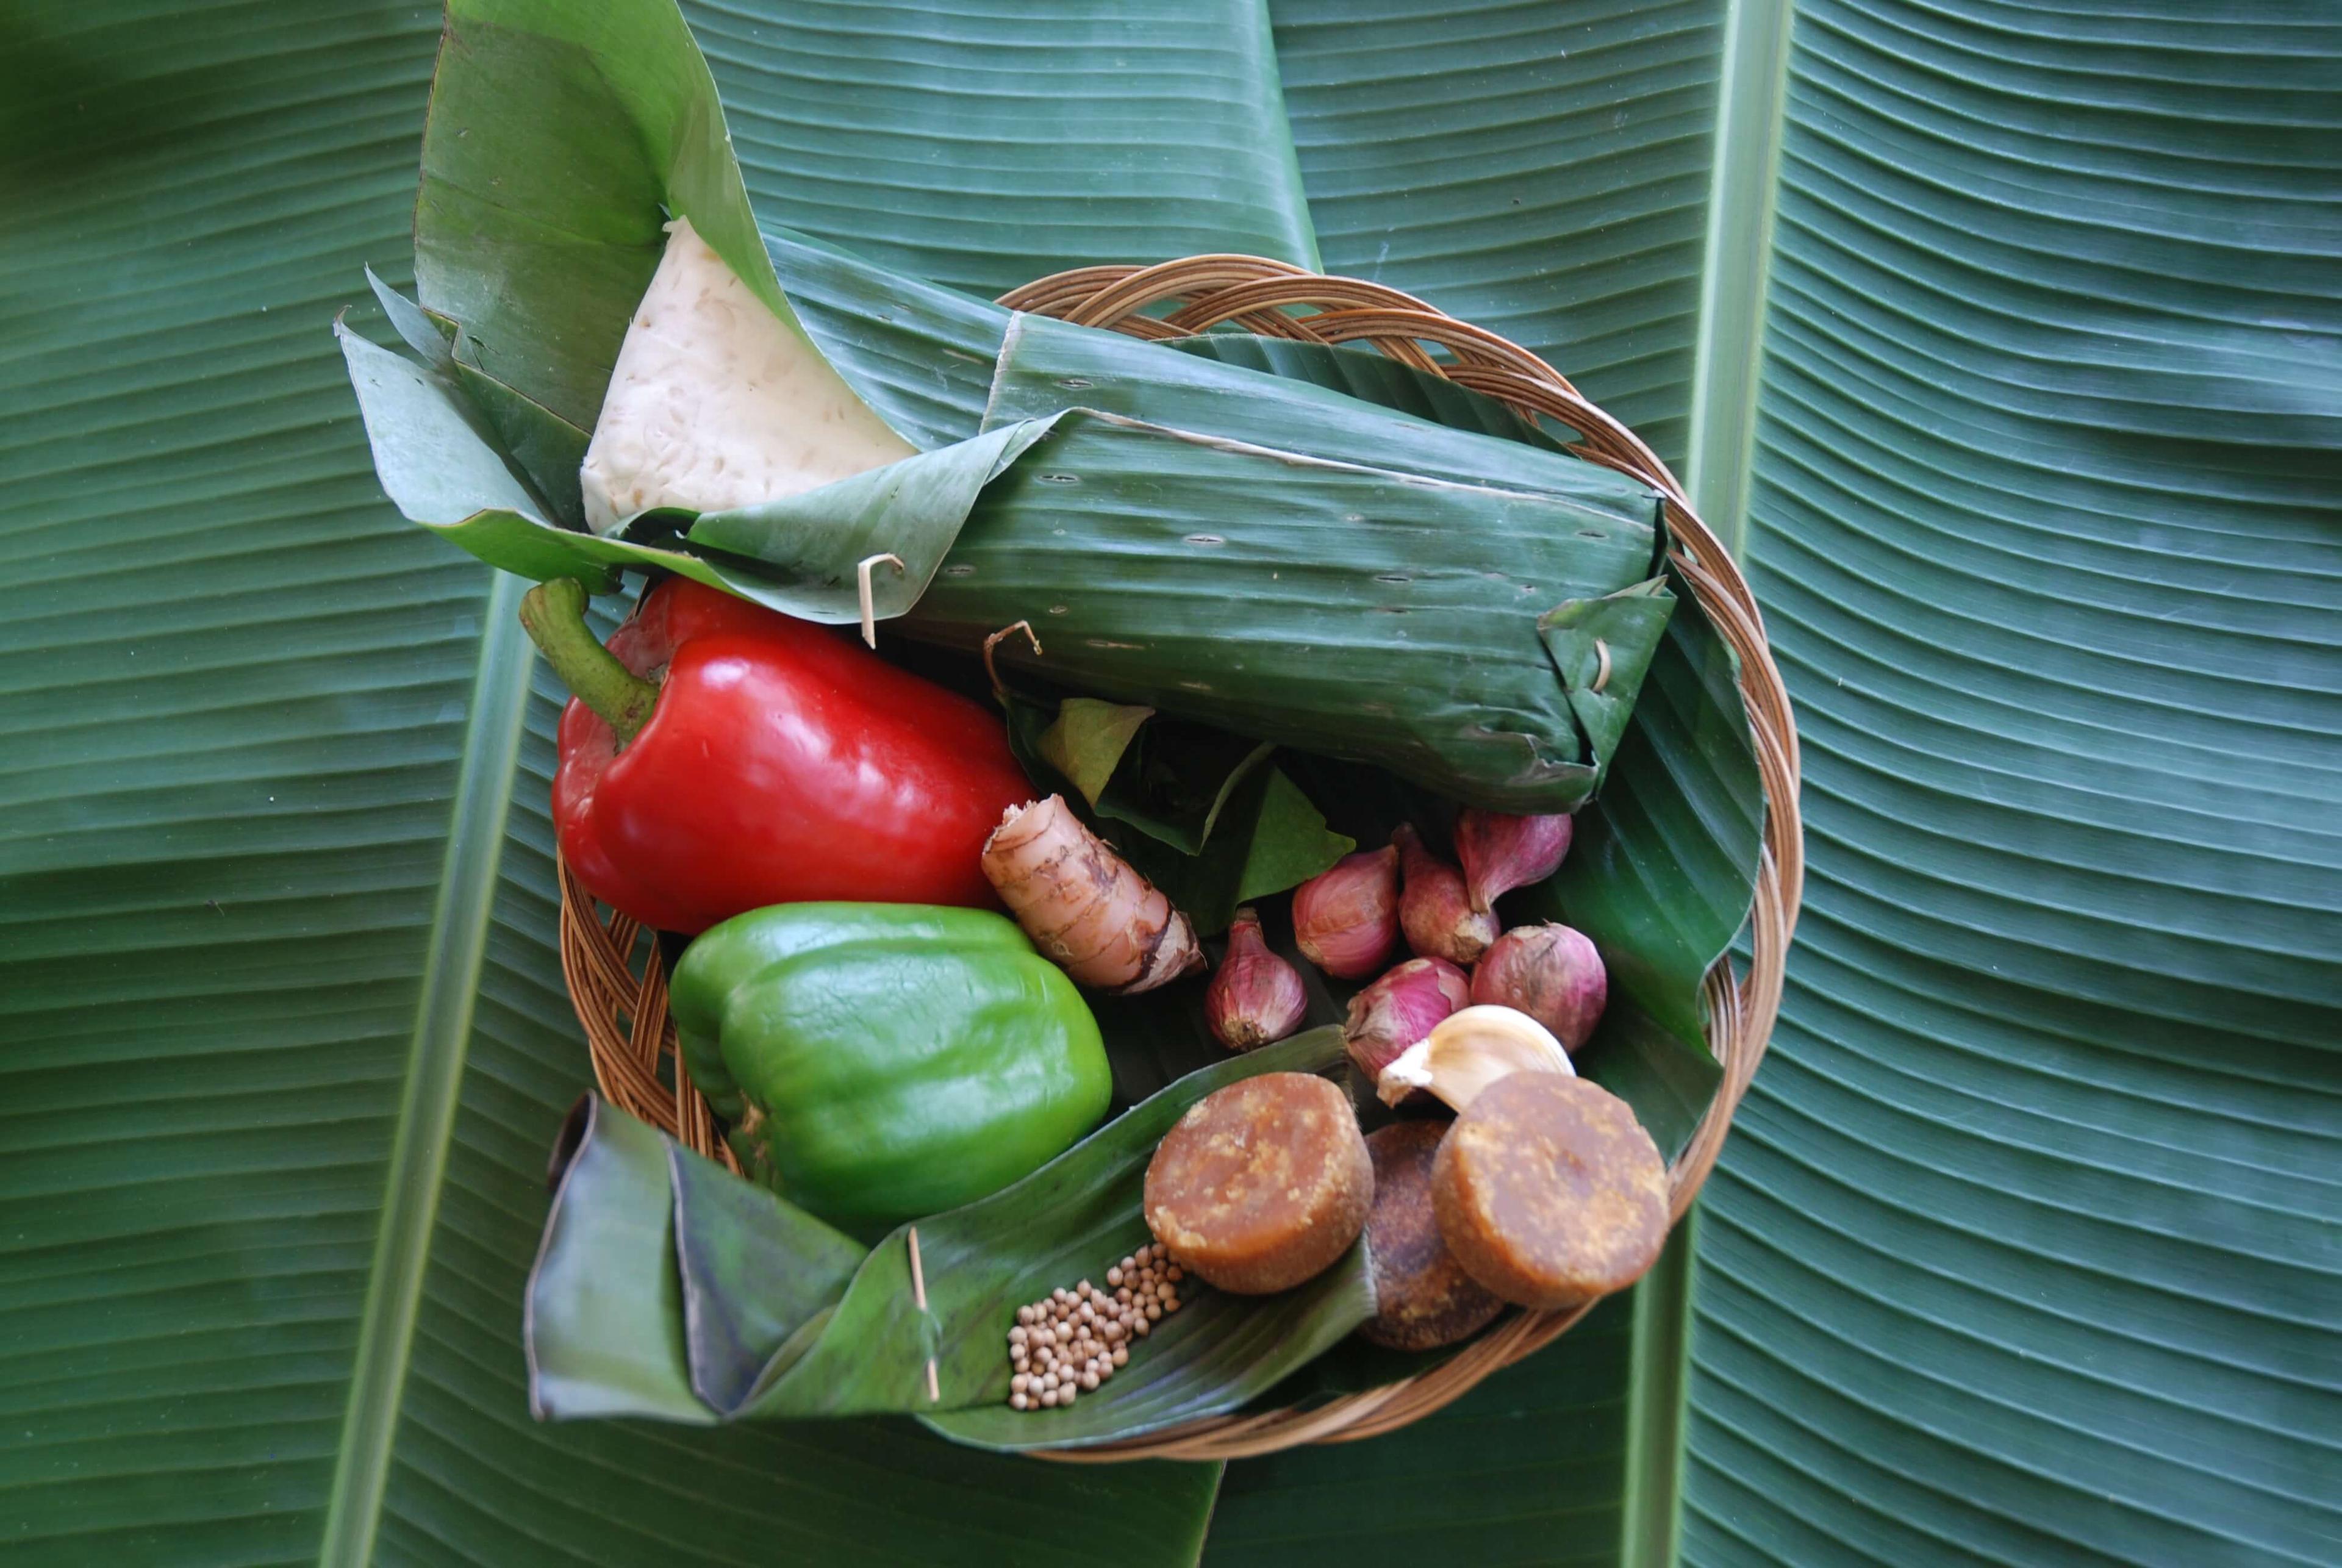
<point>1255,997</point>
<point>1346,918</point>
<point>1550,971</point>
<point>1400,1009</point>
<point>1502,852</point>
<point>1437,917</point>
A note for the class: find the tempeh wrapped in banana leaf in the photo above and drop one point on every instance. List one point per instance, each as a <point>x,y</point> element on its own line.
<point>1439,628</point>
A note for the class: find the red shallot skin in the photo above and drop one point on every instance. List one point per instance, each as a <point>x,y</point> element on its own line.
<point>1550,971</point>
<point>1434,911</point>
<point>1401,1008</point>
<point>1502,852</point>
<point>1256,998</point>
<point>1346,918</point>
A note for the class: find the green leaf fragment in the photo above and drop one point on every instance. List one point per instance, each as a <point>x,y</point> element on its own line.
<point>1086,741</point>
<point>1602,648</point>
<point>1272,838</point>
<point>1289,842</point>
<point>431,336</point>
<point>604,1320</point>
<point>754,1272</point>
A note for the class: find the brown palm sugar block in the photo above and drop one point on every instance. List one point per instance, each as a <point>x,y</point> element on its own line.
<point>1423,1297</point>
<point>1549,1191</point>
<point>1263,1185</point>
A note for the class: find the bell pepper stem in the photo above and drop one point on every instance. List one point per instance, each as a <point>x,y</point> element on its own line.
<point>554,616</point>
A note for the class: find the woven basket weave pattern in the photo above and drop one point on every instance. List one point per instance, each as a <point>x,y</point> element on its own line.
<point>619,988</point>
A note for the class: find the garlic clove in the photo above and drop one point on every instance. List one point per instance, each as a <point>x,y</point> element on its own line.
<point>1501,853</point>
<point>1346,918</point>
<point>1255,997</point>
<point>1400,1009</point>
<point>1433,909</point>
<point>1470,1050</point>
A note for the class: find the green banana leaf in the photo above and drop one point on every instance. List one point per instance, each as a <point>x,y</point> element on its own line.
<point>1272,624</point>
<point>921,355</point>
<point>2008,1258</point>
<point>1550,173</point>
<point>2051,315</point>
<point>2029,1240</point>
<point>993,144</point>
<point>1046,365</point>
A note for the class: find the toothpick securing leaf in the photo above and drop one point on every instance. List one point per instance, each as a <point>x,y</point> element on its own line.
<point>919,1298</point>
<point>862,582</point>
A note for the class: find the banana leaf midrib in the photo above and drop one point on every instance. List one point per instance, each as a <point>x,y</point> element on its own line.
<point>418,1161</point>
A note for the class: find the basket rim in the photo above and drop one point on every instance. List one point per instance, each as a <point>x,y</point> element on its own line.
<point>624,1015</point>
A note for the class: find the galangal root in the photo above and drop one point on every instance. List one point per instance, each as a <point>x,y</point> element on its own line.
<point>1082,904</point>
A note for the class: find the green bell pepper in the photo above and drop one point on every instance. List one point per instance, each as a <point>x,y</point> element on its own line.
<point>878,1062</point>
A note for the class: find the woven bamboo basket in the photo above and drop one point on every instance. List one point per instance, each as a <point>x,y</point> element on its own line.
<point>619,987</point>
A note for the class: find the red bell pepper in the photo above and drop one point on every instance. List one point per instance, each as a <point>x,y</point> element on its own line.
<point>719,756</point>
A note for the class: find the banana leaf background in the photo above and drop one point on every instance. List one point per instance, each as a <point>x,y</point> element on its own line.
<point>2005,340</point>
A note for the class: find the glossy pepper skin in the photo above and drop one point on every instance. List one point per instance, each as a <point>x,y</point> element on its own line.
<point>876,1063</point>
<point>780,763</point>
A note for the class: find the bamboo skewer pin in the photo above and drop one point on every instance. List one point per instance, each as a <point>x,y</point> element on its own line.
<point>919,1299</point>
<point>862,584</point>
